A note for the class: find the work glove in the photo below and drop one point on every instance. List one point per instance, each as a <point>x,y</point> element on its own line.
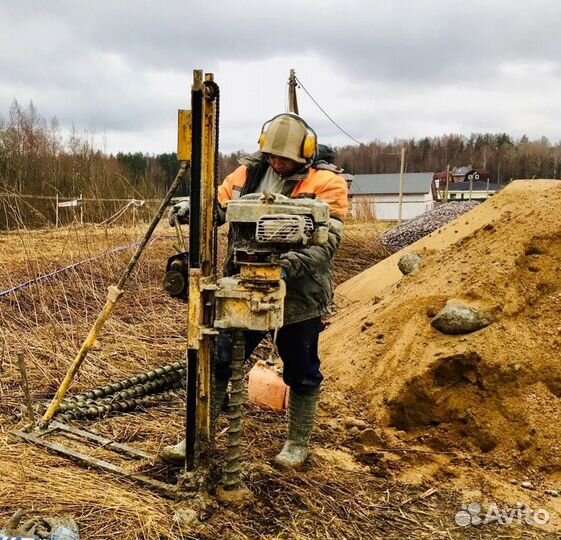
<point>181,210</point>
<point>290,265</point>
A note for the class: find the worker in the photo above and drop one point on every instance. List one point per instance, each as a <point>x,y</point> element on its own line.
<point>286,163</point>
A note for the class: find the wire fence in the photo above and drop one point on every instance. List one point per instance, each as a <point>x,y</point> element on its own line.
<point>19,210</point>
<point>59,271</point>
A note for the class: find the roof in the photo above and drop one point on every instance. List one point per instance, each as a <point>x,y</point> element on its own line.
<point>379,184</point>
<point>461,171</point>
<point>476,186</point>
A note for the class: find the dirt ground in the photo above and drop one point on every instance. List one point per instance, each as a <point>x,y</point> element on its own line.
<point>413,426</point>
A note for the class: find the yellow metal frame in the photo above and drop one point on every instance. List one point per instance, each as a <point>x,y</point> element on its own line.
<point>184,135</point>
<point>202,280</point>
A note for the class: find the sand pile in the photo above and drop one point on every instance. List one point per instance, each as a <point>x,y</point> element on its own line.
<point>496,390</point>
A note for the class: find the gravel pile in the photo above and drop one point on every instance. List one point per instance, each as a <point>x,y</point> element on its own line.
<point>416,228</point>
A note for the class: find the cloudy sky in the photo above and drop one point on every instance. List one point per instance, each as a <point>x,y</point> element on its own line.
<point>382,69</point>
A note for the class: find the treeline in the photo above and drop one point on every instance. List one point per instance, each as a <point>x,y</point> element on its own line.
<point>37,159</point>
<point>504,157</point>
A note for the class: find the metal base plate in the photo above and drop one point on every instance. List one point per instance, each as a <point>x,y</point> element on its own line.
<point>39,438</point>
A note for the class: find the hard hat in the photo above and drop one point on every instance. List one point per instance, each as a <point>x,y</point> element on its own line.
<point>288,135</point>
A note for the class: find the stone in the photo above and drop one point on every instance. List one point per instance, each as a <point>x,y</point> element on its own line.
<point>372,437</point>
<point>456,318</point>
<point>350,422</point>
<point>409,263</point>
<point>527,485</point>
<point>186,518</point>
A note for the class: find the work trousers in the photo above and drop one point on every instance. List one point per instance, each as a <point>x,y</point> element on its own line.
<point>298,348</point>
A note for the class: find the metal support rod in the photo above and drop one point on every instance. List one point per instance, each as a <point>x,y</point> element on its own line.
<point>202,265</point>
<point>191,428</point>
<point>231,473</point>
<point>89,461</point>
<point>113,296</point>
<point>154,223</point>
<point>191,410</point>
<point>25,384</point>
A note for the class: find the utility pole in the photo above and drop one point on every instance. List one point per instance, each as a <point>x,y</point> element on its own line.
<point>292,99</point>
<point>402,168</point>
<point>447,181</point>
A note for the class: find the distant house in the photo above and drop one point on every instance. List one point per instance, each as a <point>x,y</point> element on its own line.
<point>377,196</point>
<point>469,191</point>
<point>464,174</point>
<point>459,176</point>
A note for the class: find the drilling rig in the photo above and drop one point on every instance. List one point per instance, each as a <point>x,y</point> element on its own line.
<point>262,227</point>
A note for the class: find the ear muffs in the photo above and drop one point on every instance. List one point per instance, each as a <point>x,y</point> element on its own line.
<point>309,144</point>
<point>262,137</point>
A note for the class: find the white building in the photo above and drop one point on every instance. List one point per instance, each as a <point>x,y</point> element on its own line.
<point>468,191</point>
<point>376,196</point>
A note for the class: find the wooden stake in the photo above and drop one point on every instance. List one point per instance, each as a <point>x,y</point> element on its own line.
<point>25,385</point>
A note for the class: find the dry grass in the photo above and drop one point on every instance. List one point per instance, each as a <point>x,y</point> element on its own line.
<point>361,248</point>
<point>48,321</point>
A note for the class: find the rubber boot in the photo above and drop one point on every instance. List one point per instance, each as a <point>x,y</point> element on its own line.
<point>301,416</point>
<point>176,454</point>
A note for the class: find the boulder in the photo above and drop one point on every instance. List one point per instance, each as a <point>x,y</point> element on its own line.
<point>409,263</point>
<point>456,318</point>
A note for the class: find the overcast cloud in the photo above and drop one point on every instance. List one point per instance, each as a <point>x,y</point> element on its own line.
<point>382,69</point>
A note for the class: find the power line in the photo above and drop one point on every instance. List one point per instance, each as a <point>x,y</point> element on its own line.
<point>329,117</point>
